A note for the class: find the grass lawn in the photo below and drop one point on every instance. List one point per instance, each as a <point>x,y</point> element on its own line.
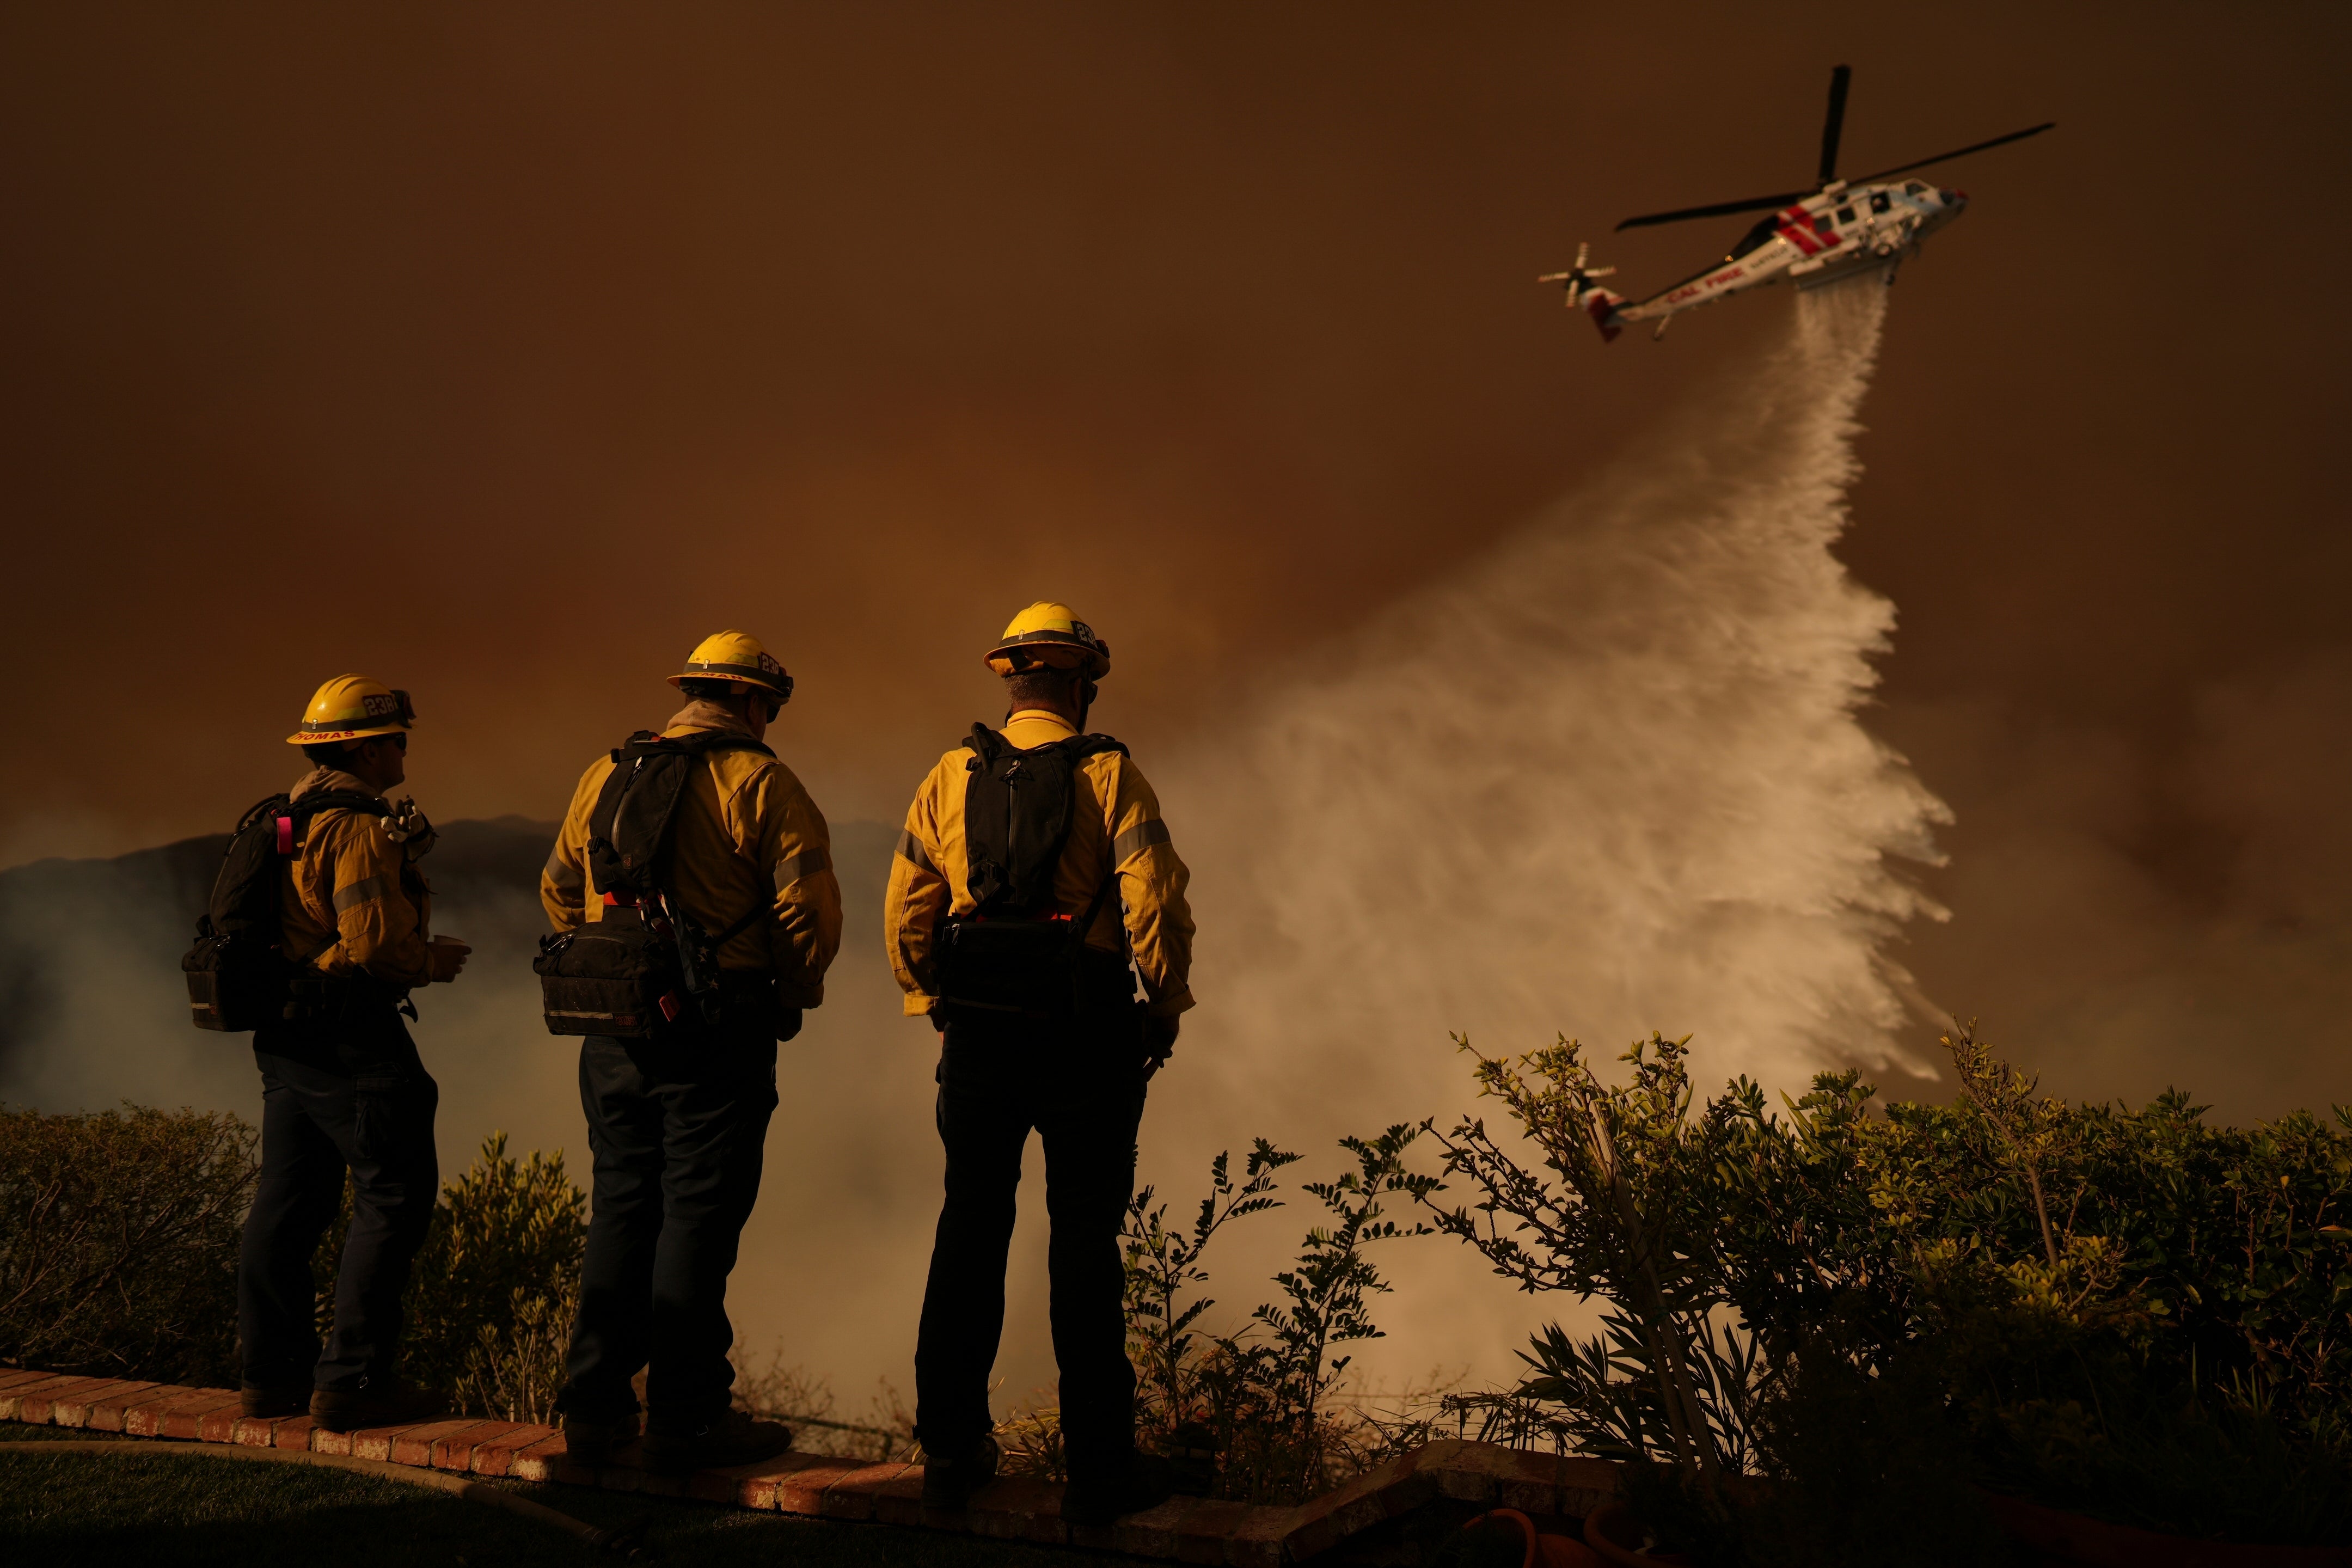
<point>167,1509</point>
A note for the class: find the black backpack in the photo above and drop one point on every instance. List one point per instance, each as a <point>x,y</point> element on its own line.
<point>656,974</point>
<point>1014,953</point>
<point>239,976</point>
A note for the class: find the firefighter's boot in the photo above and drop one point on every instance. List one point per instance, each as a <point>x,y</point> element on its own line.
<point>949,1481</point>
<point>386,1402</point>
<point>734,1438</point>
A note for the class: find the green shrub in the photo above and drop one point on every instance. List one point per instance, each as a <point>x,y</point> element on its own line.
<point>119,1241</point>
<point>1858,1470</point>
<point>1624,1207</point>
<point>2131,1313</point>
<point>1260,1398</point>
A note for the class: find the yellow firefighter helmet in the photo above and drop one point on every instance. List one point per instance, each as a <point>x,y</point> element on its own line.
<point>1050,634</point>
<point>353,708</point>
<point>737,656</point>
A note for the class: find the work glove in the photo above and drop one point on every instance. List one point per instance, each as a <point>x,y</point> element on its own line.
<point>1159,1042</point>
<point>788,1022</point>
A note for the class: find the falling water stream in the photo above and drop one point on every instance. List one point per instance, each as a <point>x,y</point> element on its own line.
<point>1609,778</point>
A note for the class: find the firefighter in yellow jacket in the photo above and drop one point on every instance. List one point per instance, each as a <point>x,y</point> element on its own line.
<point>677,1126</point>
<point>1033,893</point>
<point>342,1085</point>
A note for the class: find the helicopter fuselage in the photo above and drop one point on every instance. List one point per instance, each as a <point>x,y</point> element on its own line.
<point>1825,238</point>
<point>1816,241</point>
<point>1819,241</point>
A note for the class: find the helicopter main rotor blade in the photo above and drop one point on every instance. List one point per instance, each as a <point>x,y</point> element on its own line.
<point>1720,210</point>
<point>1834,126</point>
<point>1830,132</point>
<point>1947,157</point>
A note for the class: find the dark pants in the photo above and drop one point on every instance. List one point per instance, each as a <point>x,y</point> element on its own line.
<point>678,1131</point>
<point>1078,1081</point>
<point>335,1099</point>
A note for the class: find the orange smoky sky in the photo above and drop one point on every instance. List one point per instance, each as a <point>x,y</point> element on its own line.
<point>503,352</point>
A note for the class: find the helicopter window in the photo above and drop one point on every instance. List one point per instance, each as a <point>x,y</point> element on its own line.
<point>1822,225</point>
<point>1845,214</point>
<point>1880,201</point>
<point>1755,238</point>
<point>1915,188</point>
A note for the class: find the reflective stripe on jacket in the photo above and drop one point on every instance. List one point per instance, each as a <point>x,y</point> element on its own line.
<point>350,902</point>
<point>1116,826</point>
<point>743,824</point>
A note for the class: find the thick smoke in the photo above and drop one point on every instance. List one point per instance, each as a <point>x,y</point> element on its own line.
<point>2135,914</point>
<point>1609,778</point>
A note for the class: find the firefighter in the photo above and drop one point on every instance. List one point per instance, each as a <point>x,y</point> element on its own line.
<point>677,1126</point>
<point>342,1087</point>
<point>1033,886</point>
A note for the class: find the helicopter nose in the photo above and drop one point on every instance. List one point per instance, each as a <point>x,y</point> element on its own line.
<point>1954,198</point>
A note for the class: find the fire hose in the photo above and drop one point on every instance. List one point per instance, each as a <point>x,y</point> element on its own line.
<point>625,1541</point>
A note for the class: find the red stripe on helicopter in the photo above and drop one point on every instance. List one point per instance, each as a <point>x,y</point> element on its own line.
<point>1797,229</point>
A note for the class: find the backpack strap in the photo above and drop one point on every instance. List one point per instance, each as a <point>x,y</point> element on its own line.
<point>319,800</point>
<point>294,817</point>
<point>737,927</point>
<point>270,805</point>
<point>629,829</point>
<point>986,745</point>
<point>1085,922</point>
<point>646,743</point>
<point>703,742</point>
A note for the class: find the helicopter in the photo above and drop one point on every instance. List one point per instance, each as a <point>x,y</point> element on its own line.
<point>1832,232</point>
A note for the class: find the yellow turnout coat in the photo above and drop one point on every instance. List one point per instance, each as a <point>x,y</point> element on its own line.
<point>1116,826</point>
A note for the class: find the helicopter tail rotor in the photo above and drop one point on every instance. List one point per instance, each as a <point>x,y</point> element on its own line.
<point>1586,295</point>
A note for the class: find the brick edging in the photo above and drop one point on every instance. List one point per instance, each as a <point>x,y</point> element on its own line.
<point>1192,1529</point>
